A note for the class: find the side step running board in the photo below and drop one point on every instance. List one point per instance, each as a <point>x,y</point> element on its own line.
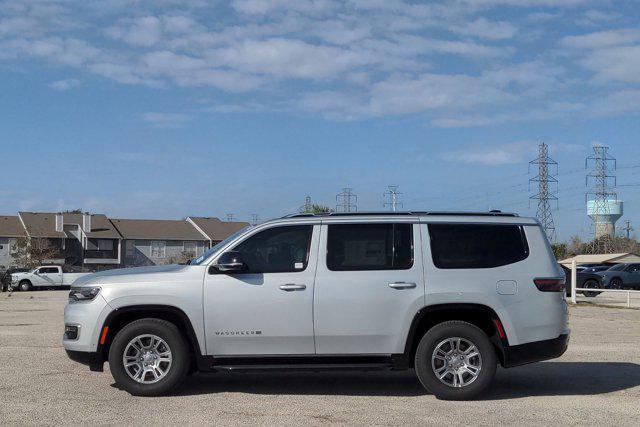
<point>306,367</point>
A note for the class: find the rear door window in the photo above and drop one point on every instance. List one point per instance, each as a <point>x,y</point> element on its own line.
<point>353,247</point>
<point>477,245</point>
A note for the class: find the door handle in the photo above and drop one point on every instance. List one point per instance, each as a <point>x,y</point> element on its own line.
<point>293,287</point>
<point>402,285</point>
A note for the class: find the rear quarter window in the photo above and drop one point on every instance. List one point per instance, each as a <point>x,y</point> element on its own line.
<point>456,246</point>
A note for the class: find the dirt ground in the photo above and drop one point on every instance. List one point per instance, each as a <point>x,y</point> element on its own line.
<point>596,382</point>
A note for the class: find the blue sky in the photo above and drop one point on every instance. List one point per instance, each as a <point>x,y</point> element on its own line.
<point>170,108</point>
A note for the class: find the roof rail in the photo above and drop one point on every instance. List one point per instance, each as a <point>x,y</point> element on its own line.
<point>406,213</point>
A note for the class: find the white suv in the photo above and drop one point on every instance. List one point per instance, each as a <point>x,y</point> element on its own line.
<point>448,294</point>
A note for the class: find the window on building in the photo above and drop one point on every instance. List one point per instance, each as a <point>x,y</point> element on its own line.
<point>158,249</point>
<point>370,247</point>
<point>190,247</point>
<point>129,248</point>
<point>277,250</point>
<point>477,245</point>
<point>105,245</point>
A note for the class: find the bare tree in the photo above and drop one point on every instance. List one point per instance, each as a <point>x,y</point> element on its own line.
<point>32,252</point>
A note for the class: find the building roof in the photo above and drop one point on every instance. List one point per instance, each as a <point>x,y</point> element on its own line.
<point>101,227</point>
<point>10,226</point>
<point>43,224</point>
<point>215,229</point>
<point>602,259</point>
<point>40,224</point>
<point>157,229</point>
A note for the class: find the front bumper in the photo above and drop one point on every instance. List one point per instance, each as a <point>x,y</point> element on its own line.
<point>88,317</point>
<point>536,351</point>
<point>93,360</point>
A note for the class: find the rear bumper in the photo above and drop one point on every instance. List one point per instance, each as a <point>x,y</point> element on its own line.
<point>93,360</point>
<point>517,355</point>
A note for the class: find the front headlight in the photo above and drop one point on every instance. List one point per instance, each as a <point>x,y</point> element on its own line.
<point>83,293</point>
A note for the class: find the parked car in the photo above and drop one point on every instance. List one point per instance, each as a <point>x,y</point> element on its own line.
<point>584,279</point>
<point>451,295</point>
<point>597,268</point>
<point>622,276</point>
<point>46,276</point>
<point>6,276</point>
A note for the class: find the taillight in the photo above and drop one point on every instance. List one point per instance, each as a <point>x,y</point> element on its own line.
<point>554,284</point>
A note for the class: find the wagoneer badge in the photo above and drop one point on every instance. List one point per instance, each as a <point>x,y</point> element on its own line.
<point>238,333</point>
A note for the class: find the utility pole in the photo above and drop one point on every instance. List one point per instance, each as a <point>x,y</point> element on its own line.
<point>306,208</point>
<point>254,219</point>
<point>393,196</point>
<point>346,201</point>
<point>229,217</point>
<point>628,228</point>
<point>547,184</point>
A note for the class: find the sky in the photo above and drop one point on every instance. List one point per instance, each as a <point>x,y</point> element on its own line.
<point>163,109</point>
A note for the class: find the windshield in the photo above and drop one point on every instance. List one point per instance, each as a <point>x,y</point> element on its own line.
<point>617,267</point>
<point>217,247</point>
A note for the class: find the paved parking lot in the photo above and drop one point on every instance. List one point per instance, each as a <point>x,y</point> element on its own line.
<point>596,382</point>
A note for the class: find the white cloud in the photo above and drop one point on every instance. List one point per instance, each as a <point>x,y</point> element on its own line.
<point>145,31</point>
<point>265,6</point>
<point>621,64</point>
<point>602,39</point>
<point>290,58</point>
<point>165,120</point>
<point>512,153</point>
<point>483,28</point>
<point>65,84</point>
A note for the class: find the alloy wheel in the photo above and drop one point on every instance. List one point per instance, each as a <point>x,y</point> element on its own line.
<point>456,362</point>
<point>147,359</point>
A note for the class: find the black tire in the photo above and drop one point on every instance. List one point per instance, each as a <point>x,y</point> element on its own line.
<point>168,332</point>
<point>591,284</point>
<point>455,329</point>
<point>25,286</point>
<point>616,283</point>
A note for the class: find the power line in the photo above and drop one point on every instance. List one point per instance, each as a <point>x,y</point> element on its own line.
<point>393,195</point>
<point>254,219</point>
<point>230,217</point>
<point>547,189</point>
<point>346,201</point>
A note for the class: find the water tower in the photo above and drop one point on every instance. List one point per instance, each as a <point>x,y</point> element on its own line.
<point>603,206</point>
<point>604,213</point>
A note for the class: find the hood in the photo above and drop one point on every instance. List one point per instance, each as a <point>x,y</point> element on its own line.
<point>123,275</point>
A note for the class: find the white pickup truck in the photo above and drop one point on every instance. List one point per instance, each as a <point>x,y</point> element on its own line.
<point>48,276</point>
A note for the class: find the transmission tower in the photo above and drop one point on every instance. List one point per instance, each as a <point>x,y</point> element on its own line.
<point>392,198</point>
<point>603,205</point>
<point>229,217</point>
<point>346,201</point>
<point>547,184</point>
<point>306,208</point>
<point>254,219</point>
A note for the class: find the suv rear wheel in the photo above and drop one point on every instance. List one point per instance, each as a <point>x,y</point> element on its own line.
<point>455,361</point>
<point>149,357</point>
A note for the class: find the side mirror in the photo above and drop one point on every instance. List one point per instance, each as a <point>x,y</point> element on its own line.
<point>230,262</point>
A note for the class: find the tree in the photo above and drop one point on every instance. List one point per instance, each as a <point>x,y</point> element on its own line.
<point>559,250</point>
<point>32,252</point>
<point>182,258</point>
<point>315,208</point>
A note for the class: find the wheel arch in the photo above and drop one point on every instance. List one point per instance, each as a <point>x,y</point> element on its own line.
<point>479,315</point>
<point>119,318</point>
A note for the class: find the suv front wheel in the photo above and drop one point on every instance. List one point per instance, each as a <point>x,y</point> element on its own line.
<point>455,361</point>
<point>149,357</point>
